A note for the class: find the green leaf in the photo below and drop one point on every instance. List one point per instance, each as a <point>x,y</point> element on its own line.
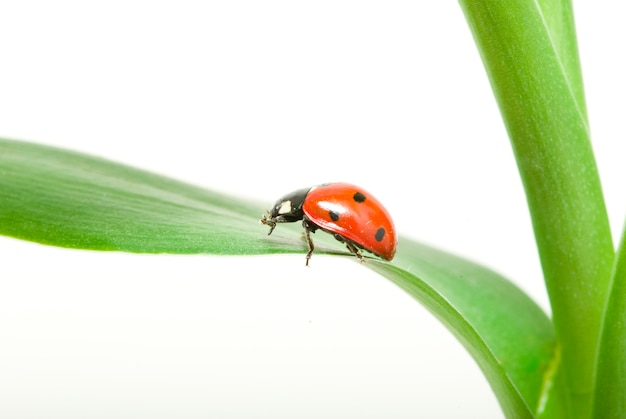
<point>510,338</point>
<point>610,400</point>
<point>529,51</point>
<point>68,199</point>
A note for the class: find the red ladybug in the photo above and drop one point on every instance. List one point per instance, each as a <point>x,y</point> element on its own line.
<point>346,211</point>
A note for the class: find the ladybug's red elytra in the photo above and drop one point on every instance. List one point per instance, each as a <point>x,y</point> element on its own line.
<point>352,215</point>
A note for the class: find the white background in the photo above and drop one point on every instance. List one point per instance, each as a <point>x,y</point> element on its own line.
<point>257,99</point>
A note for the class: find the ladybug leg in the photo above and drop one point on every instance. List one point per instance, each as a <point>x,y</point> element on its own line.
<point>307,235</point>
<point>270,221</point>
<point>351,247</point>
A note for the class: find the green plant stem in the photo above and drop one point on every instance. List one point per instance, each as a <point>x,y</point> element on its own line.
<point>610,396</point>
<point>529,51</point>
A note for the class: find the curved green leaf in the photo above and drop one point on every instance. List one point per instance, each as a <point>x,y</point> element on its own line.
<point>510,338</point>
<point>68,199</point>
<point>530,53</point>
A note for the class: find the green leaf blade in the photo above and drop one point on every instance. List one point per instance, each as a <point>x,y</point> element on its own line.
<point>508,335</point>
<point>68,199</point>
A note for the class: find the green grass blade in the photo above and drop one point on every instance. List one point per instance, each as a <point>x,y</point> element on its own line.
<point>68,199</point>
<point>610,396</point>
<point>510,338</point>
<point>529,51</point>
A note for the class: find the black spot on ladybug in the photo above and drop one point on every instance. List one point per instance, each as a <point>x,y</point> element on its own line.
<point>380,233</point>
<point>359,197</point>
<point>333,215</point>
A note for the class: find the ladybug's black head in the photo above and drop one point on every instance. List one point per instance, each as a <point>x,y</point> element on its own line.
<point>286,210</point>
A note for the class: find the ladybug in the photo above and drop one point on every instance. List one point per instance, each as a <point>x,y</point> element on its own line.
<point>352,215</point>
